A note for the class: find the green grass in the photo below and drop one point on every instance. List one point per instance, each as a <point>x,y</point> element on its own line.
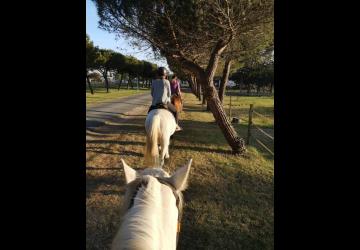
<point>229,201</point>
<point>100,94</point>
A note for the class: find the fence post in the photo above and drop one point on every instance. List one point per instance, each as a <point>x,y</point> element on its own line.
<point>230,109</point>
<point>249,125</point>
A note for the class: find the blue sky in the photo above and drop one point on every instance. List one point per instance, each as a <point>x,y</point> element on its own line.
<point>106,40</point>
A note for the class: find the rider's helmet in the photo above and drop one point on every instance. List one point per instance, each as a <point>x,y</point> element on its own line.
<point>161,71</point>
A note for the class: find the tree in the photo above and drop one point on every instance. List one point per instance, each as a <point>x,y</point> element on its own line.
<point>245,48</point>
<point>148,71</point>
<point>104,65</point>
<point>132,68</point>
<point>117,62</point>
<point>224,79</point>
<point>91,55</point>
<point>193,33</point>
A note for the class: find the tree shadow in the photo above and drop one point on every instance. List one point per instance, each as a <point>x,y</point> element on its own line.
<point>238,195</point>
<point>115,113</point>
<point>94,123</point>
<point>110,152</point>
<point>135,143</point>
<point>114,181</point>
<point>201,149</point>
<point>194,110</point>
<point>131,126</point>
<point>94,168</point>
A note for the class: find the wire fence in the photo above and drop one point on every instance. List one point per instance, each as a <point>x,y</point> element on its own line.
<point>252,126</point>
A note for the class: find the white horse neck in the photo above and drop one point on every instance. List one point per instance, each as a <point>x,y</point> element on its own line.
<point>151,222</point>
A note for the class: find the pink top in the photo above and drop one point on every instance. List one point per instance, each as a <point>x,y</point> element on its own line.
<point>175,87</point>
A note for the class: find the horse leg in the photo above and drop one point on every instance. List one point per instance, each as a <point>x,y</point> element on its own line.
<point>165,149</point>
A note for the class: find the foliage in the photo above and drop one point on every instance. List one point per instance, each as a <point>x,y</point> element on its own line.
<point>105,60</point>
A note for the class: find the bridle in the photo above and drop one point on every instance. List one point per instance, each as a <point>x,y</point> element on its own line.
<point>177,198</point>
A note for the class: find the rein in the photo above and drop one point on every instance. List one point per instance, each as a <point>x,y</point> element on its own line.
<point>164,182</point>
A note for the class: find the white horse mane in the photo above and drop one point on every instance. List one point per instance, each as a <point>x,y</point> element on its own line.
<point>149,213</point>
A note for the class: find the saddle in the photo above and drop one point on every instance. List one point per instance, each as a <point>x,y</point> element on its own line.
<point>158,106</point>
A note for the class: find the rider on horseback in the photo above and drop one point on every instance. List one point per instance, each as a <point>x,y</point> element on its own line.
<point>175,86</point>
<point>161,94</point>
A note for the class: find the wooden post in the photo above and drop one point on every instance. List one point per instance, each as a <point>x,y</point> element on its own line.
<point>249,125</point>
<point>230,109</point>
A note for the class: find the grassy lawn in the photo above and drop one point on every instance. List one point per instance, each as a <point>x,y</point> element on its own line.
<point>229,201</point>
<point>100,94</point>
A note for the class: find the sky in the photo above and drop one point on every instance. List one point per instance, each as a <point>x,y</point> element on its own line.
<point>106,40</point>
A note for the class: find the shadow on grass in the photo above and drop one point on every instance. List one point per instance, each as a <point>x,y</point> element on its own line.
<point>235,213</point>
<point>116,142</point>
<point>115,113</point>
<point>195,110</point>
<point>133,126</point>
<point>201,149</point>
<point>94,168</point>
<point>93,183</point>
<point>110,152</point>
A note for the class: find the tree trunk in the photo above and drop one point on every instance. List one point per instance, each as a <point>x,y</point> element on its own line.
<point>199,92</point>
<point>193,85</point>
<point>271,87</point>
<point>236,143</point>
<point>198,87</point>
<point>106,82</point>
<point>89,84</point>
<point>249,88</point>
<point>128,83</point>
<point>121,78</point>
<point>203,95</point>
<point>224,79</point>
<point>206,79</point>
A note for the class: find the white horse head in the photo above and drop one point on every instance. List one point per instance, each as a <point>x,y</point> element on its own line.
<point>152,209</point>
<point>160,124</point>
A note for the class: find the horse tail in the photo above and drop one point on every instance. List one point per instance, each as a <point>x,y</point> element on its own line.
<point>151,148</point>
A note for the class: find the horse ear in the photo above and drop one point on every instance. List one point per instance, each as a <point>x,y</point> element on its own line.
<point>130,173</point>
<point>180,177</point>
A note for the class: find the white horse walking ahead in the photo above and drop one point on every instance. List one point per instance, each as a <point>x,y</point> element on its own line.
<point>152,209</point>
<point>160,124</point>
